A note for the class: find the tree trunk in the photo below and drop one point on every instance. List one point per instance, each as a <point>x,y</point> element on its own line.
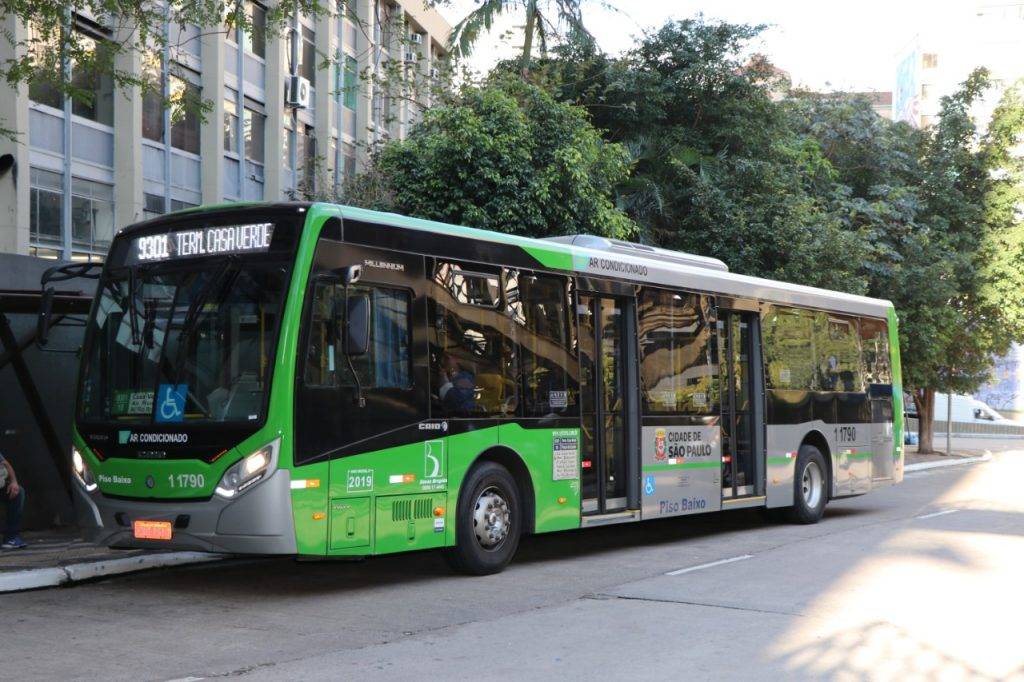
<point>924,398</point>
<point>531,22</point>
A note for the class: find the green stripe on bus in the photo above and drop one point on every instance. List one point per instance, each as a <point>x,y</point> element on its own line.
<point>780,460</point>
<point>860,455</point>
<point>684,465</point>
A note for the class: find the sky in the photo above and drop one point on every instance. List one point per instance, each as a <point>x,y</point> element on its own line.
<point>823,44</point>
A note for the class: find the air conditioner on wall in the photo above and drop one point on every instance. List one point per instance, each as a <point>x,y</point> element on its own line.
<point>297,93</point>
<point>416,38</point>
<point>434,72</point>
<point>410,57</point>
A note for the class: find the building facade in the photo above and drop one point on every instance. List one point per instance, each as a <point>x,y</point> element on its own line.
<point>941,55</point>
<point>83,169</point>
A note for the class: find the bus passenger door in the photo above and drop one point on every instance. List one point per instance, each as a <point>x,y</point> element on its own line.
<point>607,337</point>
<point>739,348</point>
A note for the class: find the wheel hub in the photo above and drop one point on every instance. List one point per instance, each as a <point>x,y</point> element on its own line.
<point>492,518</point>
<point>810,484</point>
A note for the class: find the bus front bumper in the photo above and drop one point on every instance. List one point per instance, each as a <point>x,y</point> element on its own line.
<point>259,521</point>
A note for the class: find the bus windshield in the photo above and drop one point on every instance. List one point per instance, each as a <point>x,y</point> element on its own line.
<point>183,342</point>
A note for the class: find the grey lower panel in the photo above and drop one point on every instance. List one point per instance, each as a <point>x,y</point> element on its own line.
<point>857,451</point>
<point>681,473</point>
<point>257,522</point>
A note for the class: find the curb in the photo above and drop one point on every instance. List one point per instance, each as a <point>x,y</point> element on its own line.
<point>35,578</point>
<point>922,466</point>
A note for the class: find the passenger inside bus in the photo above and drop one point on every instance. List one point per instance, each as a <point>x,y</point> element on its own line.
<point>456,385</point>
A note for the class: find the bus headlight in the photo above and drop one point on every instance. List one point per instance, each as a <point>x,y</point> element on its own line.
<point>81,470</point>
<point>248,471</point>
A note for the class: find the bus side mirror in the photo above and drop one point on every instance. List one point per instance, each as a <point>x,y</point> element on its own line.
<point>45,316</point>
<point>357,325</point>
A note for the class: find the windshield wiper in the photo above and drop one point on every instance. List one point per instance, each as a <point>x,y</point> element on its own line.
<point>217,282</point>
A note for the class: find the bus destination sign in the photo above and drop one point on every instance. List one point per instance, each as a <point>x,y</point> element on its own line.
<point>206,241</point>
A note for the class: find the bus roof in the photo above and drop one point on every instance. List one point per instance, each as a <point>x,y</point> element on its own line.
<point>597,256</point>
<point>591,255</point>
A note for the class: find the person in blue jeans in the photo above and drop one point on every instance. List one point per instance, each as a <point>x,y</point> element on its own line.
<point>11,492</point>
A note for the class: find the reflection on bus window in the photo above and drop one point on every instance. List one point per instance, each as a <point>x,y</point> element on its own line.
<point>678,368</point>
<point>386,364</point>
<point>471,348</point>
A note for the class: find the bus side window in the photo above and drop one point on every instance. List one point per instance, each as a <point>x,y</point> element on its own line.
<point>837,347</point>
<point>539,308</point>
<point>789,348</point>
<point>874,341</point>
<point>678,363</point>
<point>473,365</point>
<point>387,364</point>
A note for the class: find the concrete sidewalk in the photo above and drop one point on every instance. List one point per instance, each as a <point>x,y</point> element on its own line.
<point>58,557</point>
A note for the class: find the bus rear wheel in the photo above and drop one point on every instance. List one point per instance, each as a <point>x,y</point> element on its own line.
<point>488,521</point>
<point>810,486</point>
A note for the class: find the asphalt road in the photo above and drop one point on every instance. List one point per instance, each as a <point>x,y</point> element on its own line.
<point>918,581</point>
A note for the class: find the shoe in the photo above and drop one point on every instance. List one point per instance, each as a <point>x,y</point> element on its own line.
<point>14,543</point>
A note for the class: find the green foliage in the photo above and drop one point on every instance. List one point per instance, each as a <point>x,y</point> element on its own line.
<point>505,156</point>
<point>542,20</point>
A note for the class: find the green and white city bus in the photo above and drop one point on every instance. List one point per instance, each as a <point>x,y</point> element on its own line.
<point>319,380</point>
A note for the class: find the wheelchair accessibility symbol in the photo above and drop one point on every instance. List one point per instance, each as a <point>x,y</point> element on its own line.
<point>648,485</point>
<point>170,402</point>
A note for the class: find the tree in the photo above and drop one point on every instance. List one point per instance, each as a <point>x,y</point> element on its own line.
<point>717,167</point>
<point>504,156</point>
<point>542,19</point>
<point>939,210</point>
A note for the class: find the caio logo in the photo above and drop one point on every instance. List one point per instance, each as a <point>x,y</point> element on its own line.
<point>659,445</point>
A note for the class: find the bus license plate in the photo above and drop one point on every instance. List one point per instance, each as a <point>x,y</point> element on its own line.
<point>151,530</point>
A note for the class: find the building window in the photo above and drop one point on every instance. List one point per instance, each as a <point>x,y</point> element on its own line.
<point>153,98</point>
<point>307,58</point>
<point>152,205</point>
<point>46,55</point>
<point>255,39</point>
<point>305,157</point>
<point>348,151</point>
<point>286,143</point>
<point>91,78</point>
<point>253,126</point>
<point>230,125</point>
<point>92,215</point>
<point>185,101</point>
<point>351,82</point>
<point>45,207</point>
<point>929,60</point>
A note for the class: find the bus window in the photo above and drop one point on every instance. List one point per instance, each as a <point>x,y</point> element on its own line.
<point>789,348</point>
<point>539,306</point>
<point>678,369</point>
<point>388,361</point>
<point>837,347</point>
<point>473,367</point>
<point>874,341</point>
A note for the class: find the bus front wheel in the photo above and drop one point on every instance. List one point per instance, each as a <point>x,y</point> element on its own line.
<point>810,486</point>
<point>488,521</point>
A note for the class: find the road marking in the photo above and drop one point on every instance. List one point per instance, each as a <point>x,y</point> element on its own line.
<point>934,514</point>
<point>712,564</point>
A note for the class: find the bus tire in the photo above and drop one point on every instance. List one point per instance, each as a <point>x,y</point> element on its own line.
<point>810,486</point>
<point>488,521</point>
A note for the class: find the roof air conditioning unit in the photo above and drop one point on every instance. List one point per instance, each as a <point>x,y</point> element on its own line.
<point>297,94</point>
<point>410,57</point>
<point>416,38</point>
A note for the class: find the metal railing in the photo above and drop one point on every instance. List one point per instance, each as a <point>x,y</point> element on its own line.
<point>971,428</point>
